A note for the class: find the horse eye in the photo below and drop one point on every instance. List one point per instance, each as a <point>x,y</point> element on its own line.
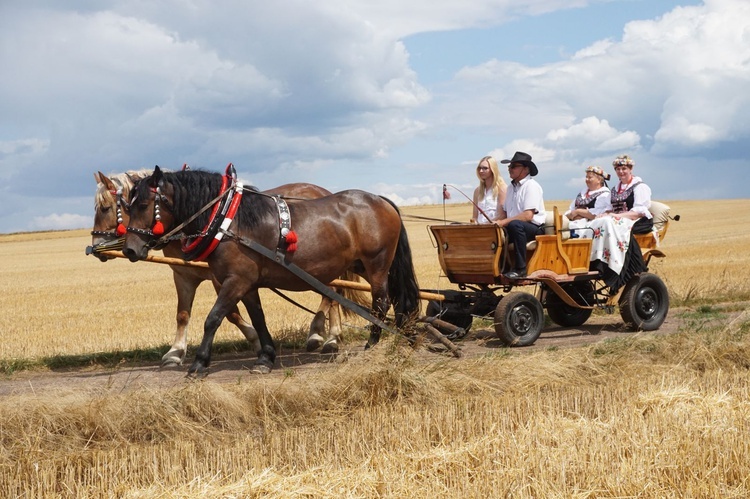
<point>106,209</point>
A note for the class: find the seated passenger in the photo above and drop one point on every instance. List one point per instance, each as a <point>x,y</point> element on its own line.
<point>591,201</point>
<point>489,196</point>
<point>523,212</point>
<point>614,251</point>
<point>631,198</point>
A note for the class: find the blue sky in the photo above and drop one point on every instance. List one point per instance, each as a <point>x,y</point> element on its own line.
<point>392,97</point>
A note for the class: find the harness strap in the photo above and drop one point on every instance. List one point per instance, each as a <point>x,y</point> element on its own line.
<point>285,225</point>
<point>228,217</point>
<point>315,284</point>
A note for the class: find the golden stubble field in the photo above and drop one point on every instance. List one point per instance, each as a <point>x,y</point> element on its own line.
<point>643,416</point>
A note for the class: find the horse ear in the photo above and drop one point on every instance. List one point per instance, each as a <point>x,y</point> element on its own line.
<point>155,177</point>
<point>108,184</point>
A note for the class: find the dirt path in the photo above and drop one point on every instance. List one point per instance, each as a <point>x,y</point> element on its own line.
<point>235,367</point>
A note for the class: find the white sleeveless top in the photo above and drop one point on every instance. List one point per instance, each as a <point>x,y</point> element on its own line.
<point>488,204</point>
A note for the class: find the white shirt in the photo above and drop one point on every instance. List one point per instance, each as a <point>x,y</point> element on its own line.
<point>488,205</point>
<point>527,194</point>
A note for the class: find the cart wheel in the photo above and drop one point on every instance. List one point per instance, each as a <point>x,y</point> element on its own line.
<point>563,314</point>
<point>644,302</point>
<point>449,314</point>
<point>519,318</point>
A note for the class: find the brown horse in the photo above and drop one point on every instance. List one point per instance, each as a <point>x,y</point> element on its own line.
<point>348,230</point>
<point>111,198</point>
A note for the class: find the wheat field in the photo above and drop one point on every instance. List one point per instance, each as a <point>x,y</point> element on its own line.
<point>644,416</point>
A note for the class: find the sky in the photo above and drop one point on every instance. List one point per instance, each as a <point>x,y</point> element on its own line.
<point>396,97</point>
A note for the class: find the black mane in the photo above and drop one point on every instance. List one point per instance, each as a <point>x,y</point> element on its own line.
<point>194,189</point>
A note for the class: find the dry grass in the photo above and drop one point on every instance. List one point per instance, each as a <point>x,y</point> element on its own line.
<point>646,416</point>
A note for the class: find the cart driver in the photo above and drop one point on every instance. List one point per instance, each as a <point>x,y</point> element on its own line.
<point>523,211</point>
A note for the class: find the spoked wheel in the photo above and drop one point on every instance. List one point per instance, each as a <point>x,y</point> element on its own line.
<point>519,318</point>
<point>452,315</point>
<point>644,302</point>
<point>565,315</point>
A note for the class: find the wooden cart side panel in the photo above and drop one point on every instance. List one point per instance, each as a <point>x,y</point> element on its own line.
<point>570,256</point>
<point>469,253</point>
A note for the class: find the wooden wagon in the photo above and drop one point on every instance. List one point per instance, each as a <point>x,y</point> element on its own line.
<point>475,257</point>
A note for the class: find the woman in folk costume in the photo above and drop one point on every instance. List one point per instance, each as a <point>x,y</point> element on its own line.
<point>489,196</point>
<point>592,201</point>
<point>614,251</point>
<point>631,197</point>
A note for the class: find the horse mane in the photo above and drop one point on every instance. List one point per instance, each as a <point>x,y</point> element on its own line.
<point>194,189</point>
<point>125,180</point>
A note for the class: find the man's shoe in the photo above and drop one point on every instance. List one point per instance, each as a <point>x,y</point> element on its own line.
<point>516,274</point>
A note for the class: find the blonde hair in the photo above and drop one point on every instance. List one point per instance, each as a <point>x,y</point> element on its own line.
<point>498,182</point>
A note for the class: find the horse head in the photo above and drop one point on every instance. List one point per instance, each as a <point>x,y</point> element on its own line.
<point>110,210</point>
<point>150,211</point>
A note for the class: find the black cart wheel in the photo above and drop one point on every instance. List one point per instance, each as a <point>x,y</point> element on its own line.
<point>519,318</point>
<point>563,314</point>
<point>644,302</point>
<point>449,313</point>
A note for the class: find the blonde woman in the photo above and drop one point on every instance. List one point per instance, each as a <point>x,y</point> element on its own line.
<point>489,196</point>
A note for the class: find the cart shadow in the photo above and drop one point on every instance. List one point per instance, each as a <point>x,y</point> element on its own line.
<point>554,335</point>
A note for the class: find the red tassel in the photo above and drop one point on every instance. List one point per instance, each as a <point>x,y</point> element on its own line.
<point>291,248</point>
<point>121,230</point>
<point>291,238</point>
<point>158,229</point>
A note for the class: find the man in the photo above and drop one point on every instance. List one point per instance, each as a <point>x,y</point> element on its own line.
<point>524,209</point>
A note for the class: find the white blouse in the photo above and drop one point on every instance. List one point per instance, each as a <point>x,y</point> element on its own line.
<point>488,205</point>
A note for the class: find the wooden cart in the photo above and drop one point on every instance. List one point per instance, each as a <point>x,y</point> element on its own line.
<point>475,257</point>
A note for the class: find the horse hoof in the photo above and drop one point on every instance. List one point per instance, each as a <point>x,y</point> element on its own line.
<point>314,342</point>
<point>330,346</point>
<point>260,369</point>
<point>197,375</point>
<point>171,362</point>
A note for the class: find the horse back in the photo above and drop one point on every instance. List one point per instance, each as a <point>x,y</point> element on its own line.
<point>299,190</point>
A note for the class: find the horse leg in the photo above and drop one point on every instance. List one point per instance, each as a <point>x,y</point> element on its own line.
<point>267,353</point>
<point>236,318</point>
<point>226,301</point>
<point>380,305</point>
<point>334,328</point>
<point>185,286</point>
<point>317,327</point>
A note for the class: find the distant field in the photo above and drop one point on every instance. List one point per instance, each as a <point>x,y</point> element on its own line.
<point>643,415</point>
<point>58,301</point>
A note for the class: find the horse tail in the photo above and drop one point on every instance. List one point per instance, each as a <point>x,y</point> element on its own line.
<point>403,290</point>
<point>355,295</point>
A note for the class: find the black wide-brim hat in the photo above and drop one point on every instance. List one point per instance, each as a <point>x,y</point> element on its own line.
<point>523,159</point>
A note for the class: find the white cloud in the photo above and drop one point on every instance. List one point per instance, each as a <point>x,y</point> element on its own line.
<point>61,221</point>
<point>324,92</point>
<point>679,79</point>
<point>592,133</point>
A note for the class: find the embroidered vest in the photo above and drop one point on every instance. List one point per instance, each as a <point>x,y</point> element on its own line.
<point>587,201</point>
<point>623,201</point>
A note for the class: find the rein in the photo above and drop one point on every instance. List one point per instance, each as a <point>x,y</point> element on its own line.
<point>445,186</point>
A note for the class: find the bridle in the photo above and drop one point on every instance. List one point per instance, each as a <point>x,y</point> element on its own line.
<point>157,228</point>
<point>119,230</point>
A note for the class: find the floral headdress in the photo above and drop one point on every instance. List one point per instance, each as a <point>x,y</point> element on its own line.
<point>598,170</point>
<point>624,160</point>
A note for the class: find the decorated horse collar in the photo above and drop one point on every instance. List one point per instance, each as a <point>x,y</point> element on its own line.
<point>199,246</point>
